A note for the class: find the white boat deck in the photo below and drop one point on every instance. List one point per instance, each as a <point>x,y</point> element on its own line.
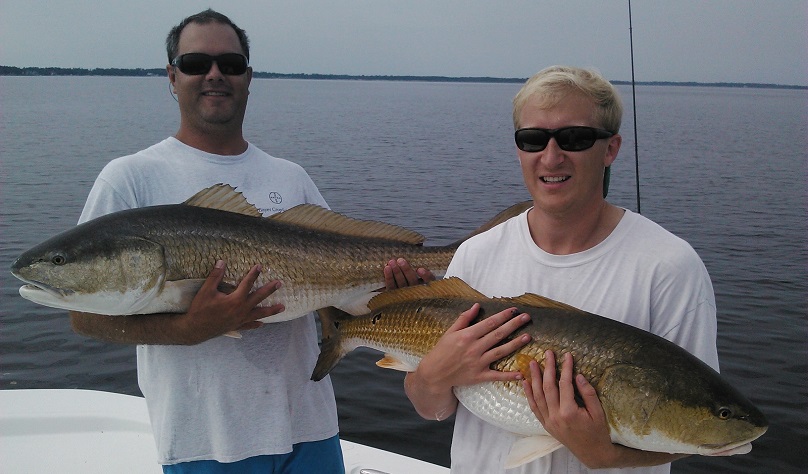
<point>85,431</point>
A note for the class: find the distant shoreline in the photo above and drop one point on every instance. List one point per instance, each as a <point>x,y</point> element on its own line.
<point>159,72</point>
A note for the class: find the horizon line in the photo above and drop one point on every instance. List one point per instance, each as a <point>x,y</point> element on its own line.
<point>152,72</point>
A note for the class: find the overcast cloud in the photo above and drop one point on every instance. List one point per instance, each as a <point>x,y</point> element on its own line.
<point>760,41</point>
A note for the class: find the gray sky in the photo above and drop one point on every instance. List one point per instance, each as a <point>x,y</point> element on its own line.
<point>760,41</point>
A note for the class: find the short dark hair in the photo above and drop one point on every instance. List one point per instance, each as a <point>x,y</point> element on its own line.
<point>203,18</point>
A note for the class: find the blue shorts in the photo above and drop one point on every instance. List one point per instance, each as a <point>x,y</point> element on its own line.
<point>315,456</point>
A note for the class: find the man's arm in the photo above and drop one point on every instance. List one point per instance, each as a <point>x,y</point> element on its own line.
<point>211,314</point>
<point>583,430</point>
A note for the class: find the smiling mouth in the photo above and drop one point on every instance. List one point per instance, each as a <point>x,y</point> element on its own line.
<point>554,179</point>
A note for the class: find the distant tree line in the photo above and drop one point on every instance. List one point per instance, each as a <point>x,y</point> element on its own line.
<point>74,71</point>
<point>138,72</point>
<point>58,71</point>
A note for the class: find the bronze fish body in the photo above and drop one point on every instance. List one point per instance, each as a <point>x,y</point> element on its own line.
<point>656,395</point>
<point>154,259</point>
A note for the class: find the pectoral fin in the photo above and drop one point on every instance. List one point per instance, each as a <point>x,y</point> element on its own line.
<point>358,306</point>
<point>525,450</point>
<point>175,297</point>
<point>523,365</point>
<point>390,362</point>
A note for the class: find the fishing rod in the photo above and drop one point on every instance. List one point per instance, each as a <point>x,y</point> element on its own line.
<point>634,104</point>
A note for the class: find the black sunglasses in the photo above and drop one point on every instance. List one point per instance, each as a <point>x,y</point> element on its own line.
<point>195,64</point>
<point>568,138</point>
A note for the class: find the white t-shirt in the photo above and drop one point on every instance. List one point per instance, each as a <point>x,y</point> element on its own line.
<point>641,275</point>
<point>225,399</point>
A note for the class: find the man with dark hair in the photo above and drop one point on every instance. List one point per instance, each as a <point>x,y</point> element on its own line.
<point>219,404</point>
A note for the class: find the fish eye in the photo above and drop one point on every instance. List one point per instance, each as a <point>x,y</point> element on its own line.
<point>725,413</point>
<point>58,259</point>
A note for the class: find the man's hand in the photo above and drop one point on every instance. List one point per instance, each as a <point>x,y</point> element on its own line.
<point>213,313</point>
<point>463,356</point>
<point>583,430</point>
<point>398,273</point>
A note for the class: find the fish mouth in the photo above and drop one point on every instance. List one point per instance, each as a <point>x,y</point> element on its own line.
<point>38,291</point>
<point>740,447</point>
<point>33,286</point>
<point>46,295</point>
<point>37,288</point>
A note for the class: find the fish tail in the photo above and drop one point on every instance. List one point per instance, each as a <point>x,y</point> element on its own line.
<point>503,216</point>
<point>331,351</point>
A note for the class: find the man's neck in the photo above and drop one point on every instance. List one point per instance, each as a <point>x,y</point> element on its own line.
<point>568,234</point>
<point>226,144</point>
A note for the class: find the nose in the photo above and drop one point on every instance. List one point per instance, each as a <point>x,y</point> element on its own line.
<point>552,155</point>
<point>214,72</point>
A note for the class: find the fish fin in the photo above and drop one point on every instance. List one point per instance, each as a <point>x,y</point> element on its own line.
<point>358,306</point>
<point>530,299</point>
<point>498,219</point>
<point>331,352</point>
<point>391,362</point>
<point>522,362</point>
<point>175,297</point>
<point>224,198</point>
<point>328,318</point>
<point>315,217</point>
<point>451,287</point>
<point>528,449</point>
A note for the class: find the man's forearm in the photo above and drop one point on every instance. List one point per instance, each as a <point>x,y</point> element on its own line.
<point>431,404</point>
<point>136,329</point>
<point>619,456</point>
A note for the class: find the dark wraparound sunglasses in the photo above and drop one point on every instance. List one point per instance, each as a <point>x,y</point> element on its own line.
<point>195,64</point>
<point>568,138</point>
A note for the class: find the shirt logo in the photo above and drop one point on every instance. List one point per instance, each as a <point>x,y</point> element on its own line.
<point>275,197</point>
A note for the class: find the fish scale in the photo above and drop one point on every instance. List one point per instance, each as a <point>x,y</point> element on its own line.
<point>312,267</point>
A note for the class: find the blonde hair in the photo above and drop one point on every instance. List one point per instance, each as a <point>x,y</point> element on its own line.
<point>552,84</point>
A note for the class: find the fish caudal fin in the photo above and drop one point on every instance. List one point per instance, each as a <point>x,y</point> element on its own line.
<point>528,449</point>
<point>331,351</point>
<point>503,216</point>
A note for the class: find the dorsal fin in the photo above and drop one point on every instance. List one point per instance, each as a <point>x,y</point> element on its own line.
<point>503,216</point>
<point>315,217</point>
<point>224,198</point>
<point>452,287</point>
<point>530,299</point>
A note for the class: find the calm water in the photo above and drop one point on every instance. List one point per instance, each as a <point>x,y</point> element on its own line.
<point>723,168</point>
